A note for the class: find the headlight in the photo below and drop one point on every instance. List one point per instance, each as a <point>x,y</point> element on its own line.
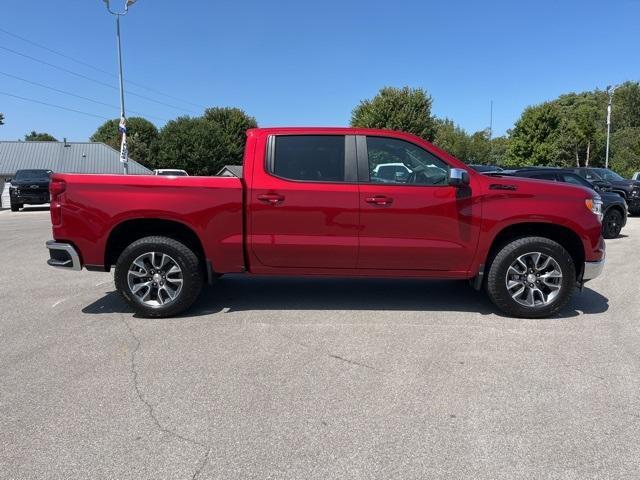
<point>595,205</point>
<point>635,192</point>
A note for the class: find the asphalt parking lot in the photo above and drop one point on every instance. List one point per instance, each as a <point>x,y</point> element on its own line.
<point>313,378</point>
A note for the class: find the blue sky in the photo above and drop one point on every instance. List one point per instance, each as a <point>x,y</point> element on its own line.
<point>309,63</point>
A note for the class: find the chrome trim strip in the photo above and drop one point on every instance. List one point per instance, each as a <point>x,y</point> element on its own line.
<point>75,258</point>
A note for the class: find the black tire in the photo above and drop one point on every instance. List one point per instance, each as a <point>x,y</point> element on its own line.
<point>186,260</point>
<point>496,283</point>
<point>612,224</point>
<point>15,207</point>
<point>634,211</point>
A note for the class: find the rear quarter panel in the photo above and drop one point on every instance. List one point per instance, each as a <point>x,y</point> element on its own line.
<point>93,205</point>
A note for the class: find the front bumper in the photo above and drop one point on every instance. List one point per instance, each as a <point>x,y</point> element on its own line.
<point>63,255</point>
<point>633,202</point>
<point>30,198</point>
<point>592,269</point>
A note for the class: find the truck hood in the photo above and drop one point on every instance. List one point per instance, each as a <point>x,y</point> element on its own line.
<point>533,186</point>
<point>625,184</point>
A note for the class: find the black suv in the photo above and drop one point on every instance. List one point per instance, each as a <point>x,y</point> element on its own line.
<point>29,186</point>
<point>628,189</point>
<point>614,208</point>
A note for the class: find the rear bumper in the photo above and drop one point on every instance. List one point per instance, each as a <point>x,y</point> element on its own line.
<point>63,255</point>
<point>593,269</point>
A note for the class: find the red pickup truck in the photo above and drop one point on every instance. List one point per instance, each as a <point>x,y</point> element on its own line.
<point>321,201</point>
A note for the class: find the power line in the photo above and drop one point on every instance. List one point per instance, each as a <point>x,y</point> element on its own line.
<point>98,102</point>
<point>85,77</point>
<point>97,69</point>
<point>32,100</point>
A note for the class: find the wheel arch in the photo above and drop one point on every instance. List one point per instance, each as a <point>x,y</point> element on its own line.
<point>558,233</point>
<point>128,231</point>
<point>617,207</point>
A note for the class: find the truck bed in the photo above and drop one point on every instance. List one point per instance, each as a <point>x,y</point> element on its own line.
<point>93,206</point>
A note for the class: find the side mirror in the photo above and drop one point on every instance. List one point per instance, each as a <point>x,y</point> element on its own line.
<point>458,177</point>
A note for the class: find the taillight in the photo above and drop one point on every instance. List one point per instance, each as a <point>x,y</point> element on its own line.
<point>57,187</point>
<point>56,213</point>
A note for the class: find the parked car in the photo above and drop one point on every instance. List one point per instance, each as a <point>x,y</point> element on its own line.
<point>391,171</point>
<point>614,208</point>
<point>628,189</point>
<point>486,168</point>
<point>170,171</point>
<point>307,205</point>
<point>29,186</point>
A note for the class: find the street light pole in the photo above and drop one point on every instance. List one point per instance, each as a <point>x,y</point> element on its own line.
<point>610,92</point>
<point>124,151</point>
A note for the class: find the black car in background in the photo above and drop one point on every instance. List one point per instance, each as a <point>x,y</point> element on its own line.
<point>628,189</point>
<point>614,207</point>
<point>29,186</point>
<point>486,168</point>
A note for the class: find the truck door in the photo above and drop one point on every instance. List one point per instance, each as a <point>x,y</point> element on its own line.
<point>414,221</point>
<point>304,203</point>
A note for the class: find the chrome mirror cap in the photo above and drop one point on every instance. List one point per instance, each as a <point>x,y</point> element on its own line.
<point>458,177</point>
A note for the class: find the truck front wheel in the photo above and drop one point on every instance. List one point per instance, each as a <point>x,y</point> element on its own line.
<point>158,276</point>
<point>531,277</point>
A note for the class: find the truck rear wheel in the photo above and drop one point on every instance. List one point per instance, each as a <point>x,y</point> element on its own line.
<point>531,277</point>
<point>158,276</point>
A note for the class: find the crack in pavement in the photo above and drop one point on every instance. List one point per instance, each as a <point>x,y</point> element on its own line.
<point>328,354</point>
<point>164,430</point>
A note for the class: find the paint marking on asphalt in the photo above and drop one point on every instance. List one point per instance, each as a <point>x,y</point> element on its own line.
<point>226,310</point>
<point>58,303</point>
<point>103,283</point>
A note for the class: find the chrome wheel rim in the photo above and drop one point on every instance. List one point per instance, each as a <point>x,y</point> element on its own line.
<point>534,279</point>
<point>155,279</point>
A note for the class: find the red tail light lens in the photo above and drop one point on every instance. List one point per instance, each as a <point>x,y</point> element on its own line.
<point>57,187</point>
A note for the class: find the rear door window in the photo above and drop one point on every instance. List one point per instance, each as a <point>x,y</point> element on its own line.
<point>311,158</point>
<point>545,176</point>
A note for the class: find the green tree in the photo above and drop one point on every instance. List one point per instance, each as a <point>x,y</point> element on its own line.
<point>625,151</point>
<point>534,138</point>
<point>232,124</point>
<point>452,139</point>
<point>473,149</point>
<point>39,137</point>
<point>191,144</point>
<point>498,151</point>
<point>626,106</point>
<point>406,109</point>
<point>142,136</point>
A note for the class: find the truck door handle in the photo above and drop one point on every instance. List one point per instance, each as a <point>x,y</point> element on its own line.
<point>271,198</point>
<point>379,200</point>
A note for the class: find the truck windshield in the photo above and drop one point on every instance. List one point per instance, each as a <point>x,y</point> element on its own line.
<point>608,174</point>
<point>33,175</point>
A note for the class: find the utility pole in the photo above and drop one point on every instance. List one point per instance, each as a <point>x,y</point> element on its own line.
<point>491,121</point>
<point>491,133</point>
<point>124,151</point>
<point>610,91</point>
